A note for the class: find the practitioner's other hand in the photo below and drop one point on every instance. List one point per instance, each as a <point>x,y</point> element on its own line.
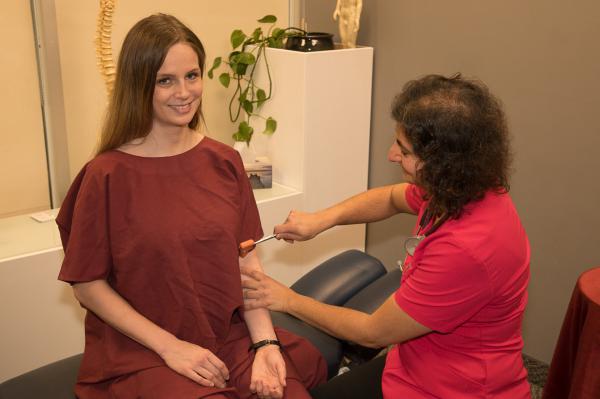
<point>300,226</point>
<point>196,363</point>
<point>268,373</point>
<point>261,291</point>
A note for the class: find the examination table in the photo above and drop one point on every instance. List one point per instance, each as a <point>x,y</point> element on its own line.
<point>352,279</point>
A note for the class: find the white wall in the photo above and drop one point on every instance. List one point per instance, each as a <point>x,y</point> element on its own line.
<point>23,180</point>
<point>75,97</point>
<point>542,59</point>
<point>84,93</point>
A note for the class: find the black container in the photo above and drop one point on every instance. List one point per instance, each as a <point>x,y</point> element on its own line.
<point>310,41</point>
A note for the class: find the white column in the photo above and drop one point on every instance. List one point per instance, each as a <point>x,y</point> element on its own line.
<point>322,103</point>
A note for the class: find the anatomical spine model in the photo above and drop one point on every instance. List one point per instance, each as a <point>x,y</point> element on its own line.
<point>103,43</point>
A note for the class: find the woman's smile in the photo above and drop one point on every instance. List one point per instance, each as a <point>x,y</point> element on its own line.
<point>183,108</point>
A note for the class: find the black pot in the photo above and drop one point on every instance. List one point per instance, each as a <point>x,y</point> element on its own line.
<point>310,41</point>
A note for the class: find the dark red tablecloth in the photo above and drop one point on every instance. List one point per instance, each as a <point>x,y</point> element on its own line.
<point>575,369</point>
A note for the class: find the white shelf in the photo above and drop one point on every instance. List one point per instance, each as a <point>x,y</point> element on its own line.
<point>23,236</point>
<point>278,191</point>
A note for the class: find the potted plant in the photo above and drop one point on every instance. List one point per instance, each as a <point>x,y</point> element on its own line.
<point>238,69</point>
<point>248,51</point>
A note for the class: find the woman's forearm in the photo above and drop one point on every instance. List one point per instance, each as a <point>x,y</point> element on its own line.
<point>258,321</point>
<point>113,309</point>
<point>387,325</point>
<point>370,206</point>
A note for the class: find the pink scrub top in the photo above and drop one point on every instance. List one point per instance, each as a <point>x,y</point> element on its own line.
<point>467,282</point>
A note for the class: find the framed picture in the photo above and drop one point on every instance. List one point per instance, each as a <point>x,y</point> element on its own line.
<point>260,173</point>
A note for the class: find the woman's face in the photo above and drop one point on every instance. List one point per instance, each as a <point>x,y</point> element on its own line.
<point>178,88</point>
<point>401,152</point>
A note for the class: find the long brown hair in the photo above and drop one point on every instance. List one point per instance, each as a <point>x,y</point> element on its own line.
<point>129,113</point>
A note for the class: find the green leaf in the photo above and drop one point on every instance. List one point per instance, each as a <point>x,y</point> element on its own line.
<point>237,38</point>
<point>277,33</point>
<point>268,19</point>
<point>216,64</point>
<point>243,95</point>
<point>270,126</point>
<point>240,69</point>
<point>233,56</point>
<point>224,78</point>
<point>244,132</point>
<point>261,96</point>
<point>239,61</point>
<point>256,34</point>
<point>246,58</point>
<point>248,107</point>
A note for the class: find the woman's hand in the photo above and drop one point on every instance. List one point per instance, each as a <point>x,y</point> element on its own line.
<point>261,291</point>
<point>268,373</point>
<point>299,226</point>
<point>196,363</point>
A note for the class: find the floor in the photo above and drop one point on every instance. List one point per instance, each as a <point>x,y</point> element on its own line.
<point>537,373</point>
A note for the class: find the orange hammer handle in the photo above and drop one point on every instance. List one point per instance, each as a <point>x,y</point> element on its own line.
<point>246,247</point>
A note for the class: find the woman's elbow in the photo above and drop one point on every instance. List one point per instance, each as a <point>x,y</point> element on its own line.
<point>374,342</point>
<point>372,338</point>
<point>81,290</point>
<point>76,288</point>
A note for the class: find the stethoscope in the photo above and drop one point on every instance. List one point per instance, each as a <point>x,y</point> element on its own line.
<point>412,242</point>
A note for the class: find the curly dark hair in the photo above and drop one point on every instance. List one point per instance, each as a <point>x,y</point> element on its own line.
<point>458,130</point>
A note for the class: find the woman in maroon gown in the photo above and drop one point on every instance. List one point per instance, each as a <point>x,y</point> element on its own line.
<point>151,228</point>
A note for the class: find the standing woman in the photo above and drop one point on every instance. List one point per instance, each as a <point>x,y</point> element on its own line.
<point>456,318</point>
<point>151,228</point>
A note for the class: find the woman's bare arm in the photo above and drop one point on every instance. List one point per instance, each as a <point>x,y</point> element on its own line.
<point>371,206</point>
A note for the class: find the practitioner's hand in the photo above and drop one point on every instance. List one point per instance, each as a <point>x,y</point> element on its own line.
<point>261,291</point>
<point>196,363</point>
<point>268,373</point>
<point>300,226</point>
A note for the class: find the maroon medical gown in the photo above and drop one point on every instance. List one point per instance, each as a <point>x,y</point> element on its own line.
<point>164,233</point>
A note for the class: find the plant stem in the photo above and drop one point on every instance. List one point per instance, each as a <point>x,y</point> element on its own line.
<point>233,97</point>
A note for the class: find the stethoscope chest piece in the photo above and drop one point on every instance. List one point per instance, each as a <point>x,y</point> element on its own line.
<point>411,244</point>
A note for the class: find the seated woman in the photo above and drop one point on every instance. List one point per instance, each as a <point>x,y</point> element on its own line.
<point>151,228</point>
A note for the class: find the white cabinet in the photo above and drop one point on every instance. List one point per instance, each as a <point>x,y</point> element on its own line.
<point>320,151</point>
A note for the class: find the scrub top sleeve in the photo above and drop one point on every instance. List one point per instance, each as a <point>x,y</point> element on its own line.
<point>414,197</point>
<point>249,217</point>
<point>83,225</point>
<point>445,288</point>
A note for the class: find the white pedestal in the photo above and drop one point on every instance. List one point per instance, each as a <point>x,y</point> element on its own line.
<point>322,103</point>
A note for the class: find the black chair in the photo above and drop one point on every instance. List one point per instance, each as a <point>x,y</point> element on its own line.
<point>53,381</point>
<point>352,279</point>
